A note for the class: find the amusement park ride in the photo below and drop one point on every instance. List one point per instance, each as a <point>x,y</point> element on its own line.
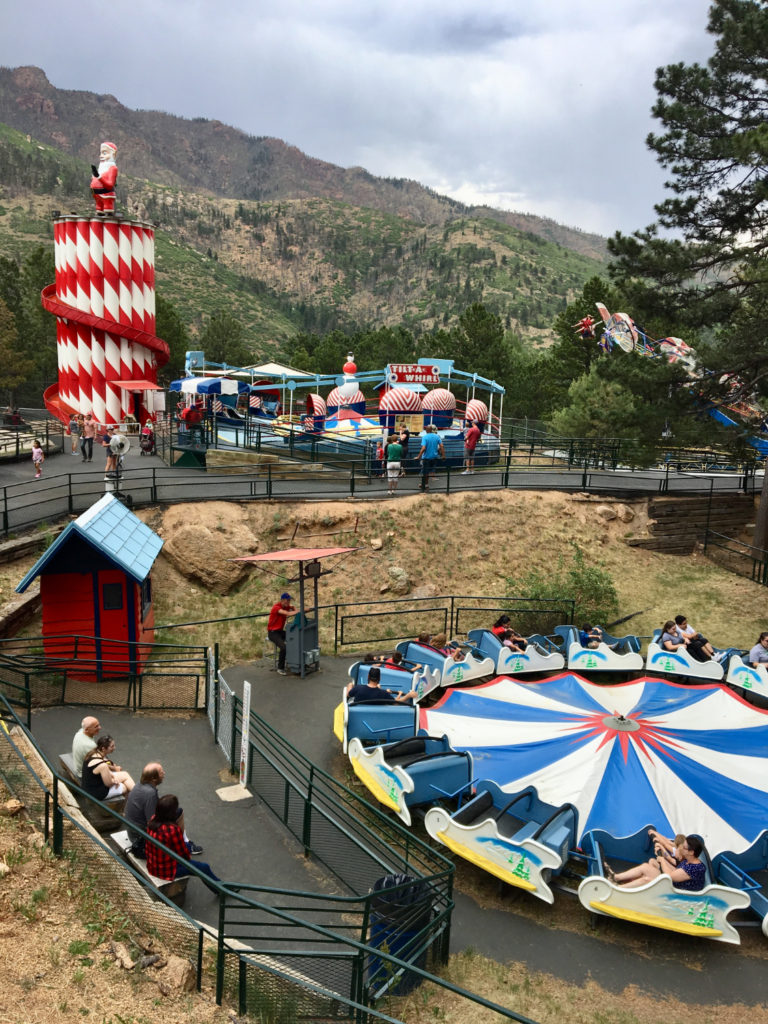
<point>510,758</point>
<point>538,775</point>
<point>288,407</point>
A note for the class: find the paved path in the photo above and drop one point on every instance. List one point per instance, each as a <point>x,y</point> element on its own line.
<point>68,486</point>
<point>245,841</point>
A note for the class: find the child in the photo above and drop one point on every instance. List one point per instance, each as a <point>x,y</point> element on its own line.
<point>37,458</point>
<point>73,430</point>
<point>106,438</point>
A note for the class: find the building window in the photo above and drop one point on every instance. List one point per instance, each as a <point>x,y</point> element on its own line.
<point>112,597</point>
<point>146,597</point>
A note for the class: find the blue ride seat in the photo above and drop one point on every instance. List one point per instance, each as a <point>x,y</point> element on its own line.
<point>372,722</point>
<point>527,831</point>
<point>396,679</point>
<point>422,654</point>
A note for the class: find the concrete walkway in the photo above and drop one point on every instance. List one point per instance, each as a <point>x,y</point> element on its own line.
<point>244,840</point>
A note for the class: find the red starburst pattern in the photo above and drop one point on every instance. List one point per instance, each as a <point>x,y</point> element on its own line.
<point>647,734</point>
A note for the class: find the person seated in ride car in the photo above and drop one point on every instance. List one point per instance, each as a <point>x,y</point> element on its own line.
<point>690,874</point>
<point>670,848</point>
<point>759,653</point>
<point>670,639</point>
<point>371,692</point>
<point>451,649</point>
<point>590,636</point>
<point>698,646</point>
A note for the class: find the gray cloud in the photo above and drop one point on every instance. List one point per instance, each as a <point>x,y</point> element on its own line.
<point>543,109</point>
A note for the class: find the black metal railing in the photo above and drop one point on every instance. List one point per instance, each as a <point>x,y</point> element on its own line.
<point>61,669</point>
<point>740,557</point>
<point>300,955</point>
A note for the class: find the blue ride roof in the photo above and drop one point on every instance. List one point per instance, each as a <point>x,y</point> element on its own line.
<point>115,532</point>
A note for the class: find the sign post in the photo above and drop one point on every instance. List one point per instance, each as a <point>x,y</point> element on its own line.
<point>245,733</point>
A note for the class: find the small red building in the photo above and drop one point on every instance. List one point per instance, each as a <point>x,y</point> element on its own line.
<point>96,592</point>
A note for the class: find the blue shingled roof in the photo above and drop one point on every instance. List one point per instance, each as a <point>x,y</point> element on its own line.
<point>114,531</point>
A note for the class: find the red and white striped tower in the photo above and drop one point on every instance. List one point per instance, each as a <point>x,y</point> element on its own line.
<point>103,299</point>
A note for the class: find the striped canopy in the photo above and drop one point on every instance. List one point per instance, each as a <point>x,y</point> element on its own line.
<point>691,759</point>
<point>209,386</point>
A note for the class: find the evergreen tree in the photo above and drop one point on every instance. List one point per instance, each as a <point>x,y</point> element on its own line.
<point>37,328</point>
<point>15,367</point>
<point>171,328</point>
<point>223,340</point>
<point>713,272</point>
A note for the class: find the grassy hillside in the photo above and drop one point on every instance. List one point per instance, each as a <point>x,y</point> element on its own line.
<point>210,157</point>
<point>311,263</point>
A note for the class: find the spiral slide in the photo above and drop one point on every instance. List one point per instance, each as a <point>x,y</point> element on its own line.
<point>104,303</point>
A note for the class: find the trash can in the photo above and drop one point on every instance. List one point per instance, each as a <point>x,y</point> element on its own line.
<point>396,919</point>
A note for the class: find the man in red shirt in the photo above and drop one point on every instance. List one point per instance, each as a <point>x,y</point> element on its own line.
<point>276,628</point>
<point>471,437</point>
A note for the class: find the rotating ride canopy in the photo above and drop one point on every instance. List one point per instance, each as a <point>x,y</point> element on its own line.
<point>648,752</point>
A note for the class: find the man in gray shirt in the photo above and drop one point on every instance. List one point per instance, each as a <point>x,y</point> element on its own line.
<point>141,804</point>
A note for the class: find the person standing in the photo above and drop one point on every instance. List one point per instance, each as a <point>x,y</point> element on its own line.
<point>276,628</point>
<point>471,437</point>
<point>86,440</point>
<point>431,448</point>
<point>73,429</point>
<point>38,458</point>
<point>394,463</point>
<point>405,438</point>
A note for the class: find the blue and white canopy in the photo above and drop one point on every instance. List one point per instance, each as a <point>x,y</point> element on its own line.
<point>648,752</point>
<point>209,386</point>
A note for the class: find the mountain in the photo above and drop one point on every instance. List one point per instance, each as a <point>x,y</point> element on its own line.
<point>205,155</point>
<point>282,241</point>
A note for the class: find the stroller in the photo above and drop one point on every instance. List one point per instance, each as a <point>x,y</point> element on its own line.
<point>147,440</point>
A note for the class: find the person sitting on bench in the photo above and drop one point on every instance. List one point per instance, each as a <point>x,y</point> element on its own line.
<point>142,804</point>
<point>84,741</point>
<point>103,778</point>
<point>371,691</point>
<point>166,826</point>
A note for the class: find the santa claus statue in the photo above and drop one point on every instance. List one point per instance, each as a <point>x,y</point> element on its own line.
<point>104,178</point>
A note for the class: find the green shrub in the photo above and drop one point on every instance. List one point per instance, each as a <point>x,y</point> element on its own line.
<point>591,587</point>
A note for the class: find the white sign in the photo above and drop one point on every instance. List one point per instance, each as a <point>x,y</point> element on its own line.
<point>246,729</point>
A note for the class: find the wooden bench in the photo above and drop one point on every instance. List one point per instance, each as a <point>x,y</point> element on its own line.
<point>101,820</point>
<point>174,888</point>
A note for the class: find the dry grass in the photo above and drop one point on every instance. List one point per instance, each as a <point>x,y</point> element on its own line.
<point>461,544</point>
<point>546,999</point>
<point>55,932</point>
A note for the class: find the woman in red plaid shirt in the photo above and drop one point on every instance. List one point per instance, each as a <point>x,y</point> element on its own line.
<point>167,827</point>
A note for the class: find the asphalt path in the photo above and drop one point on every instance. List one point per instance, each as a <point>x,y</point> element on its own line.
<point>69,486</point>
<point>244,841</point>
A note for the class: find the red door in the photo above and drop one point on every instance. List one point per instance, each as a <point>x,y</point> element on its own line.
<point>113,622</point>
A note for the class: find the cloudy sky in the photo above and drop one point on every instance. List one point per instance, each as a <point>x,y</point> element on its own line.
<point>542,107</point>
